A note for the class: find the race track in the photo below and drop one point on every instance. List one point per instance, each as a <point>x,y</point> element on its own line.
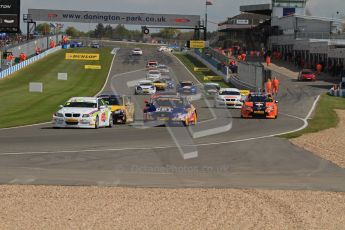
<point>246,156</point>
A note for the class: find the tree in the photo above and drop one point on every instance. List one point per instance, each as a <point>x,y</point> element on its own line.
<point>169,33</point>
<point>120,32</point>
<point>108,31</point>
<point>100,30</point>
<point>43,28</point>
<point>71,31</point>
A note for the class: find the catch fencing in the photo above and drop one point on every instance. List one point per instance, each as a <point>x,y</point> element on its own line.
<point>27,62</point>
<point>29,48</point>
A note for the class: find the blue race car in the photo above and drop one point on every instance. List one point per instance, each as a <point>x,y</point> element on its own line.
<point>170,109</point>
<point>75,44</point>
<point>170,82</point>
<point>186,87</point>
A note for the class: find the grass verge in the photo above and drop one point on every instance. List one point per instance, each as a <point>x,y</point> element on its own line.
<point>20,107</point>
<point>324,116</point>
<point>190,62</point>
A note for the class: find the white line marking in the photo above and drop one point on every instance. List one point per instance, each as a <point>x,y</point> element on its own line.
<point>25,126</point>
<point>22,181</point>
<point>187,69</point>
<point>106,82</point>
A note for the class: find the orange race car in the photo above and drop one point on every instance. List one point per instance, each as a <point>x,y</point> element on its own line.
<point>259,105</point>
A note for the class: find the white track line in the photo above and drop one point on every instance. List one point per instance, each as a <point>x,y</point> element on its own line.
<point>106,82</point>
<point>187,69</point>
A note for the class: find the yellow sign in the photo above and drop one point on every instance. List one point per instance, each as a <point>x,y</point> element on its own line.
<point>82,56</point>
<point>201,69</point>
<point>197,44</point>
<point>213,78</point>
<point>93,67</point>
<point>244,92</point>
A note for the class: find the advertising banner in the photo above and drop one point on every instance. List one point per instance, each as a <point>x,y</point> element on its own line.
<point>197,44</point>
<point>93,67</point>
<point>289,11</point>
<point>9,16</point>
<point>213,78</point>
<point>201,69</point>
<point>114,17</point>
<point>82,56</point>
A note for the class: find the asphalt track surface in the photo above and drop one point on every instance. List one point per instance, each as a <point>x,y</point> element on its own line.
<point>245,156</point>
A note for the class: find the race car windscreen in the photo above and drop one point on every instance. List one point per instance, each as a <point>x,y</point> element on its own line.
<point>307,72</point>
<point>231,93</point>
<point>208,87</point>
<point>169,103</point>
<point>113,101</point>
<point>146,84</point>
<point>184,84</point>
<point>154,72</point>
<point>259,98</point>
<point>81,104</point>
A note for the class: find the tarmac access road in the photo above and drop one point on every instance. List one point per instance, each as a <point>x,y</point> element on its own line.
<point>246,156</point>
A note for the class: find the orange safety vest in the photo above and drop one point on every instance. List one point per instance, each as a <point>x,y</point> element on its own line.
<point>275,83</point>
<point>318,68</point>
<point>268,60</point>
<point>10,57</point>
<point>268,86</point>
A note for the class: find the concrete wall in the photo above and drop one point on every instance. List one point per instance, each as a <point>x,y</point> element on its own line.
<point>251,74</point>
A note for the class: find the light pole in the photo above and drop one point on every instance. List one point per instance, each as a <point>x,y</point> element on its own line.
<point>207,3</point>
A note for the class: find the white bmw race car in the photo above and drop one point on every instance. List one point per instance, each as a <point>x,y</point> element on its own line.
<point>145,87</point>
<point>163,68</point>
<point>137,51</point>
<point>83,112</point>
<point>153,75</point>
<point>229,97</point>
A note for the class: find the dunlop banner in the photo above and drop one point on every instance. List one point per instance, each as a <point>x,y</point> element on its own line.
<point>213,78</point>
<point>93,67</point>
<point>197,44</point>
<point>82,56</point>
<point>201,69</point>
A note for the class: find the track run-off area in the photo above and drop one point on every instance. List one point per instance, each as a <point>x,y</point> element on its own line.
<point>245,155</point>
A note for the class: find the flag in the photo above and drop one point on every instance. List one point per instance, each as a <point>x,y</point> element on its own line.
<point>209,3</point>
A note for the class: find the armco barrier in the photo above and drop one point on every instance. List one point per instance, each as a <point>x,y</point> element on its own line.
<point>250,74</point>
<point>229,78</point>
<point>23,64</point>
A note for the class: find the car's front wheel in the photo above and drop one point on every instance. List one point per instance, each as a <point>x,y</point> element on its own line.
<point>97,123</point>
<point>111,122</point>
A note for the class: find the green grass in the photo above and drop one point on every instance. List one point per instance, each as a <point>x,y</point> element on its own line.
<point>19,107</point>
<point>325,116</point>
<point>190,62</point>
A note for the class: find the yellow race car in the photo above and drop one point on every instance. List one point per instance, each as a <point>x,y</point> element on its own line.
<point>160,84</point>
<point>122,107</point>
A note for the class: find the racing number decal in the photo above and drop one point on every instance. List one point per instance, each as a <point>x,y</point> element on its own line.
<point>103,117</point>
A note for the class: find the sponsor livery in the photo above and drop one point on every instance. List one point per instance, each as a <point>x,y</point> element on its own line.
<point>170,109</point>
<point>83,112</point>
<point>259,105</point>
<point>121,106</point>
